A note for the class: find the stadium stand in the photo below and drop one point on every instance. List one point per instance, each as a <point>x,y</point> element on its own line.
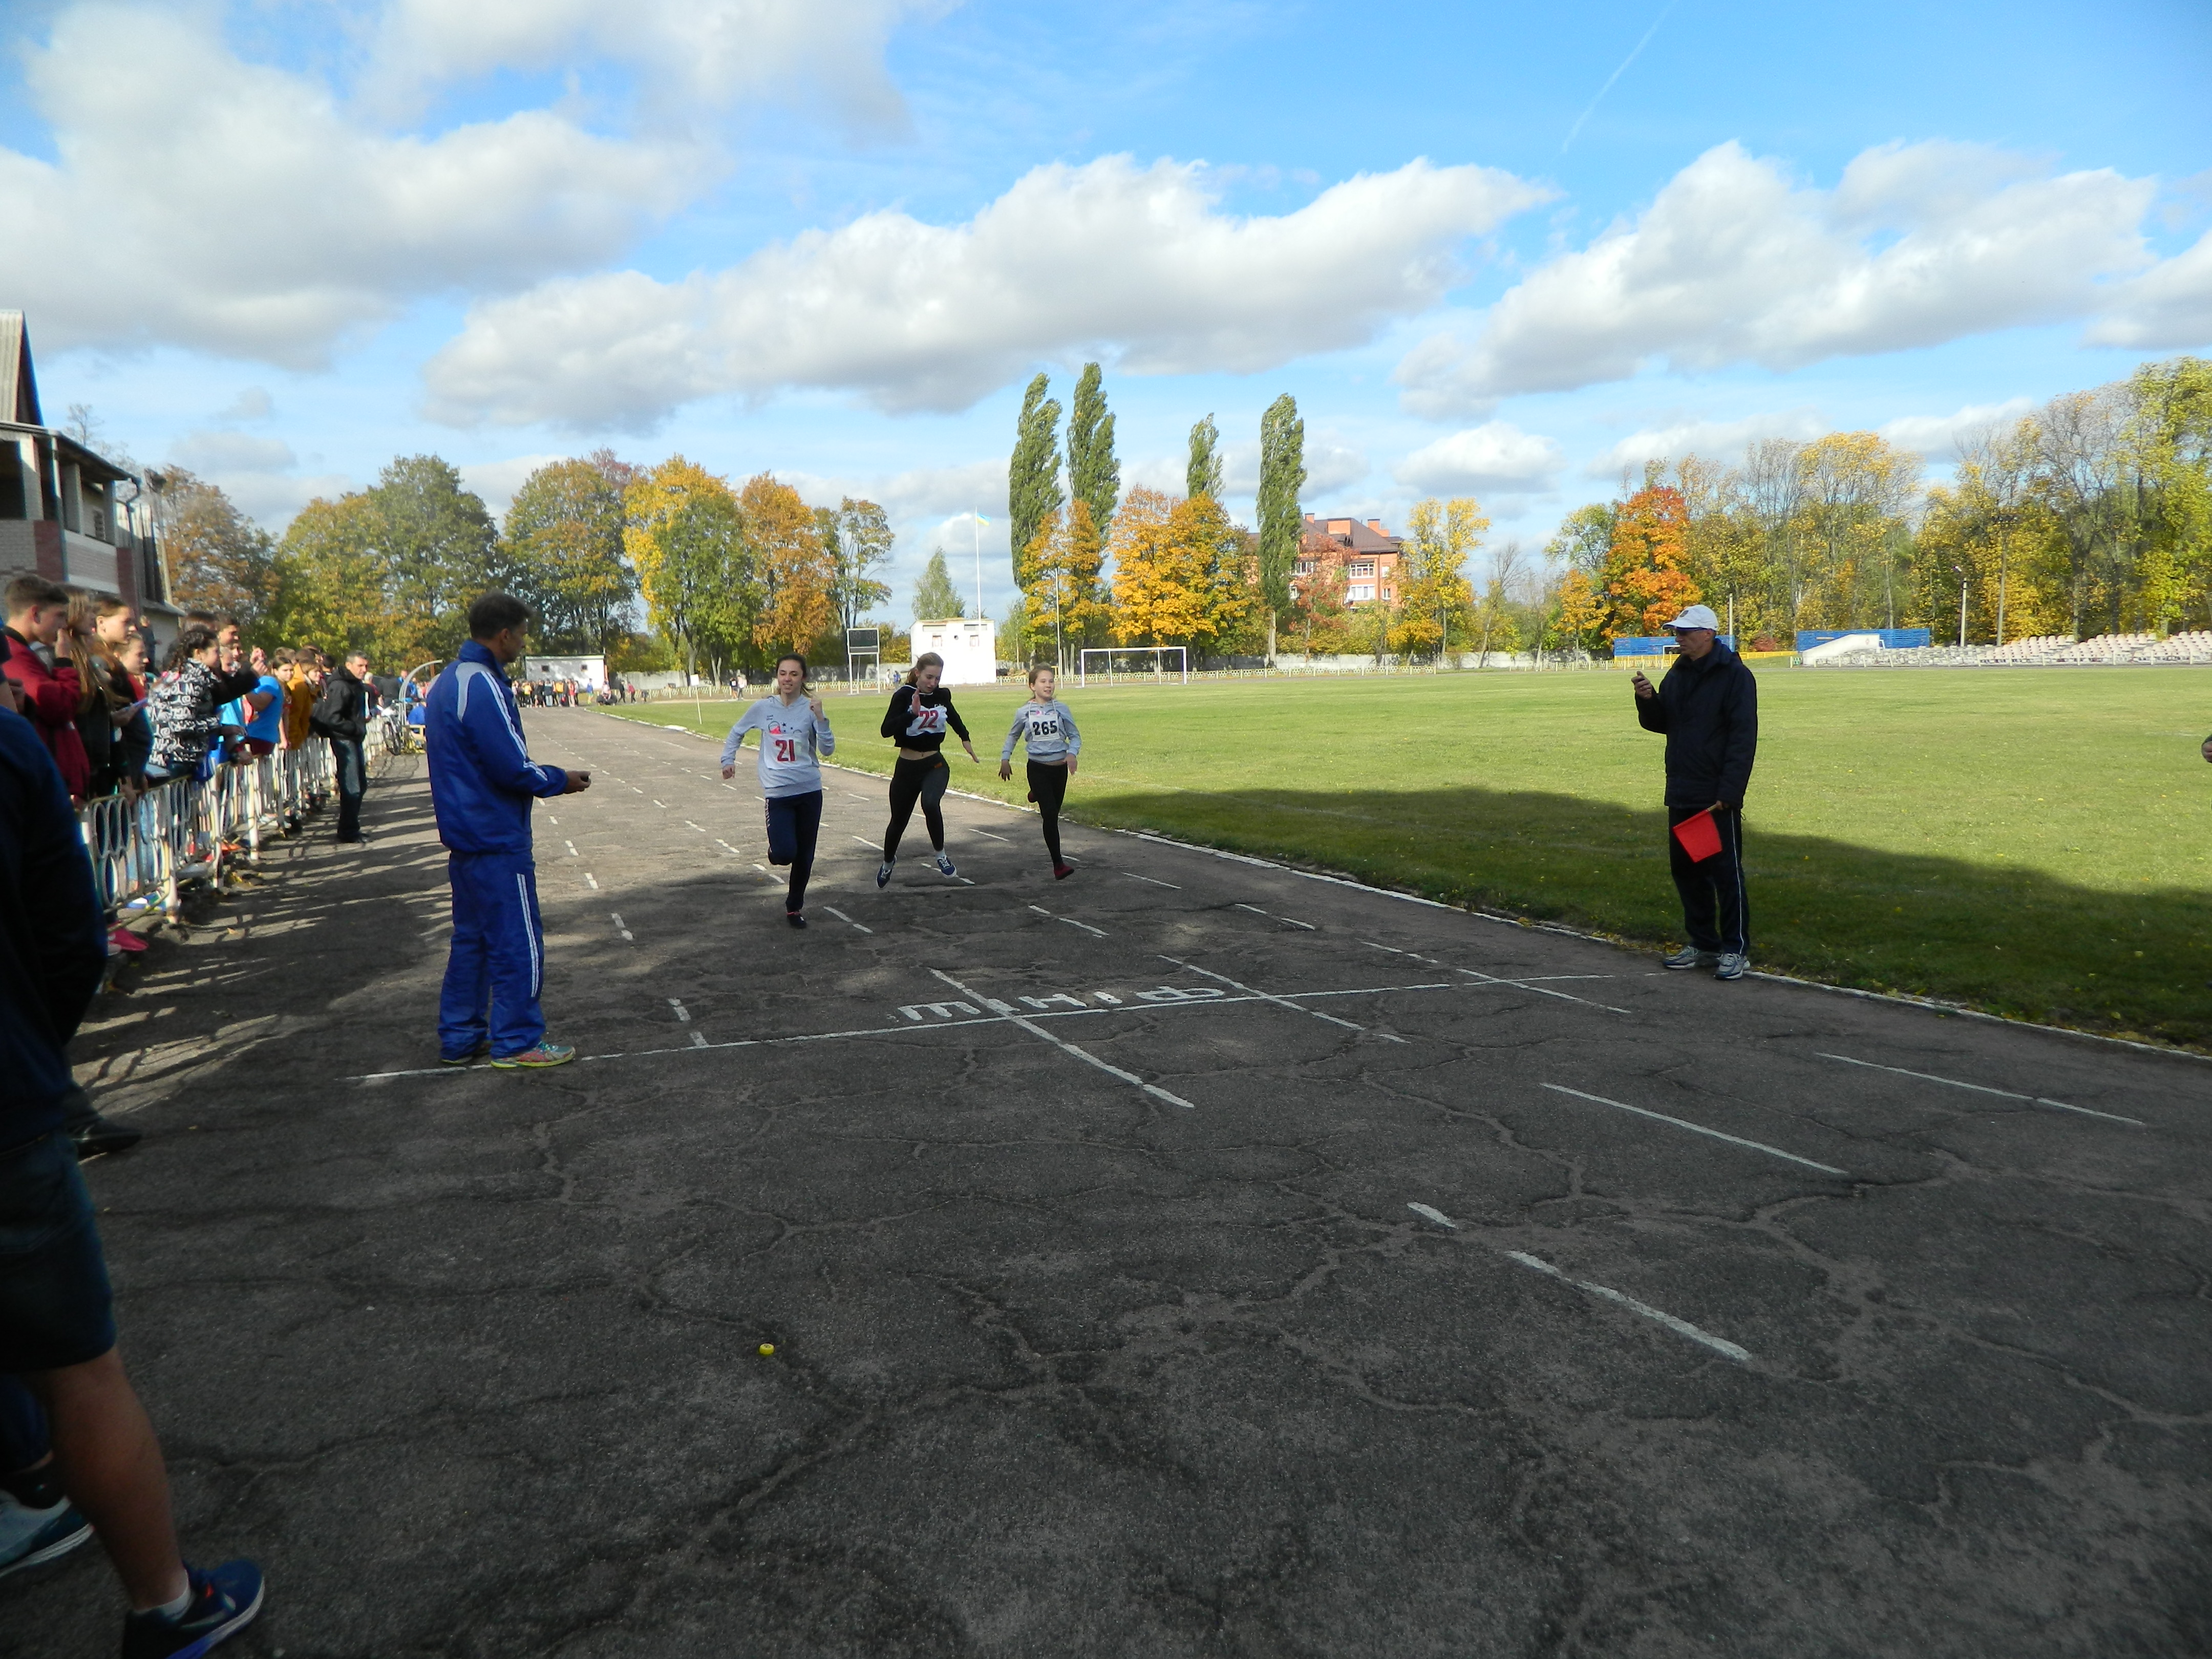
<point>2042,651</point>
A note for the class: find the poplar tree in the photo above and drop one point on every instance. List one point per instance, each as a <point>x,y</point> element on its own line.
<point>935,597</point>
<point>1094,476</point>
<point>1203,476</point>
<point>1282,475</point>
<point>1033,476</point>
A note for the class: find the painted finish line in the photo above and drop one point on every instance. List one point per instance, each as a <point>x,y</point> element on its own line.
<point>955,1013</point>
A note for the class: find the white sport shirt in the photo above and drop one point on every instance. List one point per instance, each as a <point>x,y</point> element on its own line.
<point>1048,729</point>
<point>791,744</point>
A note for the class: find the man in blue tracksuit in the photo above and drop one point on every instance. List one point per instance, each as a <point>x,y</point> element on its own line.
<point>482,782</point>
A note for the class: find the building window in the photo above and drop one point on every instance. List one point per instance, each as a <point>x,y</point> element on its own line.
<point>1359,593</point>
<point>1364,568</point>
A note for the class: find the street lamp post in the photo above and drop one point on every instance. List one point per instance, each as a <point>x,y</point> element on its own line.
<point>1961,569</point>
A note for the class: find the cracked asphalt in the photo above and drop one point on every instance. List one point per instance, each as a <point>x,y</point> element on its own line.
<point>1190,1257</point>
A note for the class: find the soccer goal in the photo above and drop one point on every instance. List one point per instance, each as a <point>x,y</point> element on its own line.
<point>1129,662</point>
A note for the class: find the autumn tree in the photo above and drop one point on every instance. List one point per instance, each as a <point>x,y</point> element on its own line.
<point>1317,613</point>
<point>685,537</point>
<point>1645,586</point>
<point>219,559</point>
<point>796,576</point>
<point>564,536</point>
<point>1065,602</point>
<point>859,538</point>
<point>1432,585</point>
<point>1158,578</point>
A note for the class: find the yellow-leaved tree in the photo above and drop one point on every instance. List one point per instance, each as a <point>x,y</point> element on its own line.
<point>796,573</point>
<point>1158,577</point>
<point>1063,602</point>
<point>1433,592</point>
<point>684,534</point>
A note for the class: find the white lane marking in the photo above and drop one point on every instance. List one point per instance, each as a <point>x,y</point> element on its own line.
<point>1680,1327</point>
<point>1699,1128</point>
<point>758,865</point>
<point>1134,876</point>
<point>550,819</point>
<point>698,1039</point>
<point>683,1014</point>
<point>1528,983</point>
<point>662,804</point>
<point>864,841</point>
<point>1097,932</point>
<point>590,881</point>
<point>571,846</point>
<point>727,847</point>
<point>847,919</point>
<point>635,790</point>
<point>1437,1215</point>
<point>985,832</point>
<point>1084,1054</point>
<point>620,928</point>
<point>1281,1002</point>
<point>1984,1089</point>
<point>1272,916</point>
<point>688,824</point>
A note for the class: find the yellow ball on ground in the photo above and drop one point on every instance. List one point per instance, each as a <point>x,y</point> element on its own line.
<point>767,1349</point>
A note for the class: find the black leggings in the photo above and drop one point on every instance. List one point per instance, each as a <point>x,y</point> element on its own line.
<point>912,781</point>
<point>793,824</point>
<point>1048,788</point>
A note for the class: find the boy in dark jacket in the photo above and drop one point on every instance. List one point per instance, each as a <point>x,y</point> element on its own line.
<point>342,716</point>
<point>1708,707</point>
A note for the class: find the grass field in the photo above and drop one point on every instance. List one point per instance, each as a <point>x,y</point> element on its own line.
<point>2037,842</point>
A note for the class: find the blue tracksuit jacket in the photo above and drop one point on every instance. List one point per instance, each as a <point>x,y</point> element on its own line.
<point>482,777</point>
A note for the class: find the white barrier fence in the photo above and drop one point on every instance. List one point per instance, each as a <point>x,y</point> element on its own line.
<point>144,846</point>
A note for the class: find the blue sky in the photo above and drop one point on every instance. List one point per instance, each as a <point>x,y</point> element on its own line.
<point>282,240</point>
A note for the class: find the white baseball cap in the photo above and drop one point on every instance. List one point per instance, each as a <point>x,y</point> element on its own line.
<point>1698,615</point>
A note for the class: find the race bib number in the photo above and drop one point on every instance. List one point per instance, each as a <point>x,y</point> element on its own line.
<point>927,721</point>
<point>1047,727</point>
<point>787,749</point>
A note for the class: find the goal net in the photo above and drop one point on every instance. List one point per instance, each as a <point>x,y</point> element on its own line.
<point>1119,662</point>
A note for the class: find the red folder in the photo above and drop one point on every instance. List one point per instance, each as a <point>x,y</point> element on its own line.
<point>1699,836</point>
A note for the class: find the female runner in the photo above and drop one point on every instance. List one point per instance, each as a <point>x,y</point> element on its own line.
<point>920,711</point>
<point>1048,727</point>
<point>794,735</point>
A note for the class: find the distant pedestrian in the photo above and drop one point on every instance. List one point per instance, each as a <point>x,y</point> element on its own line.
<point>482,783</point>
<point>1708,707</point>
<point>919,713</point>
<point>1046,727</point>
<point>341,717</point>
<point>77,1455</point>
<point>794,735</point>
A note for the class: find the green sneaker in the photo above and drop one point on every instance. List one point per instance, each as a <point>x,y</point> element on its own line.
<point>544,1054</point>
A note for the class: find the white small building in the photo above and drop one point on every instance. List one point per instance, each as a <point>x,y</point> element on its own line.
<point>969,646</point>
<point>590,672</point>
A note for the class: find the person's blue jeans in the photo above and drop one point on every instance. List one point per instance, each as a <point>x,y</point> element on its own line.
<point>496,967</point>
<point>794,823</point>
<point>352,767</point>
<point>56,1307</point>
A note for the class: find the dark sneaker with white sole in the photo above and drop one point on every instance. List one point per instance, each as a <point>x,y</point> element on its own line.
<point>1690,957</point>
<point>1733,964</point>
<point>482,1051</point>
<point>945,864</point>
<point>224,1600</point>
<point>31,1538</point>
<point>884,874</point>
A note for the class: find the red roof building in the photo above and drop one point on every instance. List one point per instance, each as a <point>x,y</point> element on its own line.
<point>1368,554</point>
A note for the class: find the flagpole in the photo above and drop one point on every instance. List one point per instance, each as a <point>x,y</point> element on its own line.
<point>979,561</point>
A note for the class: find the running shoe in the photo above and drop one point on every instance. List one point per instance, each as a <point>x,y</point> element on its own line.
<point>30,1538</point>
<point>1733,965</point>
<point>122,938</point>
<point>1062,872</point>
<point>794,918</point>
<point>884,873</point>
<point>945,864</point>
<point>544,1054</point>
<point>224,1600</point>
<point>1690,957</point>
<point>482,1051</point>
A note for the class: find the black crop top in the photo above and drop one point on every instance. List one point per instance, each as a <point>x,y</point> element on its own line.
<point>918,718</point>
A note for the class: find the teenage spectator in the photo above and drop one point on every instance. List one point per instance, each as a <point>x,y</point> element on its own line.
<point>186,706</point>
<point>77,1446</point>
<point>261,711</point>
<point>51,693</point>
<point>482,783</point>
<point>1708,707</point>
<point>342,716</point>
<point>98,628</point>
<point>134,735</point>
<point>301,690</point>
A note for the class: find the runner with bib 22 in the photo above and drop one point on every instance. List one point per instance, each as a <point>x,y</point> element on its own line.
<point>920,712</point>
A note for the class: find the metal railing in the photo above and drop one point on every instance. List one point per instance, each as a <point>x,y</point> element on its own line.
<point>144,846</point>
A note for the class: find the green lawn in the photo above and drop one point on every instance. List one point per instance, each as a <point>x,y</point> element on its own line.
<point>2034,841</point>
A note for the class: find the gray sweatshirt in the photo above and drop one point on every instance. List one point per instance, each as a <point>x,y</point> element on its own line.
<point>1049,728</point>
<point>791,740</point>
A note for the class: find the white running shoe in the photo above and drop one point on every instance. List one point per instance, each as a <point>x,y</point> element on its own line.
<point>1733,964</point>
<point>884,873</point>
<point>945,864</point>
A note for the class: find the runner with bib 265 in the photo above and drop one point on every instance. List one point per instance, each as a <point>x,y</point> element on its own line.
<point>921,712</point>
<point>1047,726</point>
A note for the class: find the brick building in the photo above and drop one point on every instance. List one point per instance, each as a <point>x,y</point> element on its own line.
<point>1370,556</point>
<point>71,514</point>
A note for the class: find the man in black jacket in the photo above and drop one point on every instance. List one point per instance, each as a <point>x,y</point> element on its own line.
<point>341,715</point>
<point>1708,707</point>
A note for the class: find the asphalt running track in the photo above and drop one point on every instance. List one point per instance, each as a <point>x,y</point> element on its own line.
<point>1189,1257</point>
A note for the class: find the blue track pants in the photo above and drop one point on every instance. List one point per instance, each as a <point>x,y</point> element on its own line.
<point>794,822</point>
<point>497,965</point>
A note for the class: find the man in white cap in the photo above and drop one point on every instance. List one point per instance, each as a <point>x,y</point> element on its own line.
<point>1708,707</point>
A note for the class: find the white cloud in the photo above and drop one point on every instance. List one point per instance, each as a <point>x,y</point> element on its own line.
<point>1714,439</point>
<point>260,475</point>
<point>495,482</point>
<point>1495,456</point>
<point>1331,464</point>
<point>216,454</point>
<point>253,404</point>
<point>1734,262</point>
<point>692,53</point>
<point>1939,434</point>
<point>1136,264</point>
<point>2166,309</point>
<point>205,201</point>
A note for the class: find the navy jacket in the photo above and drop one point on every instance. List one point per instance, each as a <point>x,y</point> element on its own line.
<point>482,777</point>
<point>54,940</point>
<point>1710,712</point>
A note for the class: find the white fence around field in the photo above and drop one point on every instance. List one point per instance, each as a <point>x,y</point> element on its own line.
<point>144,846</point>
